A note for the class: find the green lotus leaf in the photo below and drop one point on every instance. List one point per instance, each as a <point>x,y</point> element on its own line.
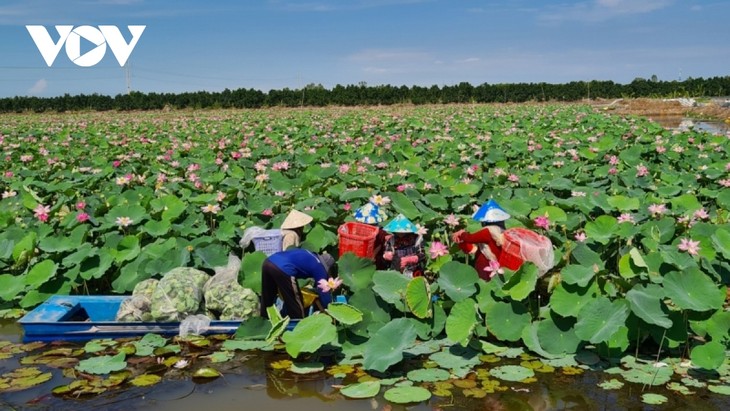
<point>555,214</point>
<point>254,328</point>
<point>647,374</point>
<point>391,287</point>
<point>404,205</point>
<point>623,203</point>
<point>612,384</point>
<point>245,345</point>
<point>418,297</point>
<point>145,380</point>
<point>23,378</point>
<point>721,241</point>
<point>458,280</point>
<point>585,256</point>
<point>685,203</point>
<point>709,356</point>
<point>345,313</point>
<point>386,346</point>
<point>511,372</point>
<point>251,267</point>
<point>405,395</point>
<point>719,389</point>
<point>577,274</point>
<point>11,286</point>
<point>693,290</point>
<point>506,321</point>
<point>97,345</point>
<point>646,303</point>
<point>103,364</point>
<point>212,255</point>
<point>365,389</point>
<point>309,335</point>
<point>600,319</point>
<point>653,399</point>
<point>522,283</point>
<point>557,335</point>
<point>602,229</point>
<point>428,375</point>
<point>461,321</point>
<point>220,356</point>
<point>41,273</point>
<point>356,272</point>
<point>157,228</point>
<point>277,327</point>
<point>306,367</point>
<point>206,373</point>
<point>717,326</point>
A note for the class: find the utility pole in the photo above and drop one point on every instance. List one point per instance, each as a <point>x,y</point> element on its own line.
<point>128,76</point>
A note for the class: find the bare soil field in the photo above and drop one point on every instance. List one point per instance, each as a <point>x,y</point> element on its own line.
<point>661,108</point>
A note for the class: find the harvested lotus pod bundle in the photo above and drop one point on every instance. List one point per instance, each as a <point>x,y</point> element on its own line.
<point>178,294</point>
<point>138,307</point>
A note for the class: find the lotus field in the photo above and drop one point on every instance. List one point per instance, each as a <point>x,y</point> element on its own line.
<point>638,216</point>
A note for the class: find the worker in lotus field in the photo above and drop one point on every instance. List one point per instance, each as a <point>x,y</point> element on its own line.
<point>404,248</point>
<point>373,214</point>
<point>279,275</point>
<point>292,229</point>
<point>485,244</point>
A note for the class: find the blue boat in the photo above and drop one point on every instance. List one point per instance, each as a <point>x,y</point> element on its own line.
<point>86,317</point>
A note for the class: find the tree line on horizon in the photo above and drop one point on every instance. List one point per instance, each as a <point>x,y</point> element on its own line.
<point>316,95</point>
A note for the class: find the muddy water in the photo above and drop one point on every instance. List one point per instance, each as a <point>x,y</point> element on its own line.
<point>683,123</point>
<point>250,383</point>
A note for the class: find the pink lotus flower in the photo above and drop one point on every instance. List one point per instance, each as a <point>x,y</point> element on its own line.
<point>267,212</point>
<point>625,218</point>
<point>80,205</point>
<point>451,220</point>
<point>82,217</point>
<point>494,268</point>
<point>641,170</point>
<point>116,163</point>
<point>41,212</point>
<point>513,178</point>
<point>211,208</point>
<point>329,284</point>
<point>692,247</point>
<point>421,230</point>
<point>542,221</point>
<point>657,209</point>
<point>701,214</point>
<point>347,206</point>
<point>9,174</point>
<point>580,237</point>
<point>402,188</point>
<point>437,249</point>
<point>344,168</point>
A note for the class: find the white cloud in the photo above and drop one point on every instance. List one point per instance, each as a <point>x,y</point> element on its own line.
<point>601,10</point>
<point>39,87</point>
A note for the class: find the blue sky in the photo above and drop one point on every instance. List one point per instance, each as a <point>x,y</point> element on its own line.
<point>271,44</point>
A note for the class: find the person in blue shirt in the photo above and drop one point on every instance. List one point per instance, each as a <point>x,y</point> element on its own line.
<point>279,275</point>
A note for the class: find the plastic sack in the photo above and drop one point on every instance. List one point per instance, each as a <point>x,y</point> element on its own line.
<point>138,307</point>
<point>525,245</point>
<point>225,298</point>
<point>194,324</point>
<point>178,294</point>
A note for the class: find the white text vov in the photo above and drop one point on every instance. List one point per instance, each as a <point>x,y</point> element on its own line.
<point>101,37</point>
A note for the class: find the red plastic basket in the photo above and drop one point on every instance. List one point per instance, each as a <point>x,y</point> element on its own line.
<point>358,238</point>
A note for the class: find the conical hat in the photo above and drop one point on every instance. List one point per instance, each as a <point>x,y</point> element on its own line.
<point>295,219</point>
<point>400,224</point>
<point>370,214</point>
<point>490,212</point>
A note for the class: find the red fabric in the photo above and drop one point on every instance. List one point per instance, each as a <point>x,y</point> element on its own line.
<point>470,241</point>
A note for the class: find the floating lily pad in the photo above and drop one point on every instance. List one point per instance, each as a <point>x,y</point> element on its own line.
<point>367,389</point>
<point>405,395</point>
<point>719,389</point>
<point>23,378</point>
<point>428,375</point>
<point>244,345</point>
<point>612,384</point>
<point>103,364</point>
<point>145,380</point>
<point>511,372</point>
<point>206,372</point>
<point>653,399</point>
<point>306,367</point>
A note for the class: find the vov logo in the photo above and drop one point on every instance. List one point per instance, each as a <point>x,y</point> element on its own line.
<point>71,37</point>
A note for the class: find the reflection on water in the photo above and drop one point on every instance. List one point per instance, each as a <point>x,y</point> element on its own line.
<point>684,124</point>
